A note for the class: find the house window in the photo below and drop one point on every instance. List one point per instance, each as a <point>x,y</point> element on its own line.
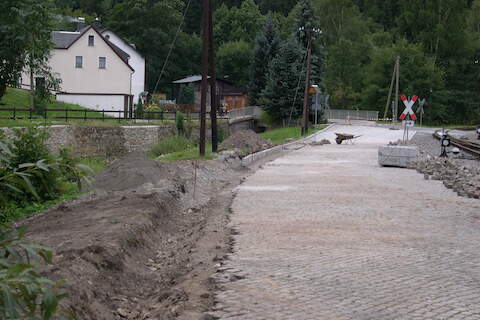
<point>102,62</point>
<point>91,41</point>
<point>78,62</point>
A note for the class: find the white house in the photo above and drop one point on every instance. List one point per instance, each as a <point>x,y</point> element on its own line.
<point>136,61</point>
<point>95,71</point>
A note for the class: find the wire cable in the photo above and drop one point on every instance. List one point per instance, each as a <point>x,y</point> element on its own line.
<point>172,45</point>
<point>298,86</point>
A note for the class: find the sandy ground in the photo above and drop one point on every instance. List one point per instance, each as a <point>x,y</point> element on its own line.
<point>325,233</point>
<point>144,244</point>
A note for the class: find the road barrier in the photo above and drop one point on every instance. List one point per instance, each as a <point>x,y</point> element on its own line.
<point>351,115</point>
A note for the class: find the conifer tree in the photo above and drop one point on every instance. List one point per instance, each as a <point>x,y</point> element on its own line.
<point>267,45</point>
<point>282,98</point>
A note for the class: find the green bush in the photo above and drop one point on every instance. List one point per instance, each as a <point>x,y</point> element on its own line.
<point>29,146</point>
<point>151,112</point>
<point>30,175</point>
<point>170,145</point>
<point>221,134</point>
<point>24,293</point>
<point>180,123</point>
<point>139,109</point>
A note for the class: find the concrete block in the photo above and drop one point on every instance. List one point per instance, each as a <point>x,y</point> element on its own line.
<point>397,156</point>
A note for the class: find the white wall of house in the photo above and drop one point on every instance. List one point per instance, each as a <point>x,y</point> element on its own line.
<point>90,80</point>
<point>95,102</point>
<point>115,78</point>
<point>136,61</point>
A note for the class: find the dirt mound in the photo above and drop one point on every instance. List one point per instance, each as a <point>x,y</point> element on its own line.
<point>246,141</point>
<point>144,243</point>
<point>133,171</point>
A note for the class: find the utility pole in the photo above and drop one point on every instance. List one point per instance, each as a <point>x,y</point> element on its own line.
<point>307,84</point>
<point>205,59</point>
<point>397,88</point>
<point>213,83</point>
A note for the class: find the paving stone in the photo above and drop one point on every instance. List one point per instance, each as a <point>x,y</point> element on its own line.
<point>326,233</point>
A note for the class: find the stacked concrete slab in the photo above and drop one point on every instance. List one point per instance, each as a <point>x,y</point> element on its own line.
<point>397,156</point>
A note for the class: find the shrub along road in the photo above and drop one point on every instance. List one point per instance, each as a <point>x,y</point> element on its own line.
<point>325,233</point>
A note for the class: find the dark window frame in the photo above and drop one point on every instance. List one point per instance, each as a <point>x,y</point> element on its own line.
<point>78,62</point>
<point>100,66</point>
<point>91,41</point>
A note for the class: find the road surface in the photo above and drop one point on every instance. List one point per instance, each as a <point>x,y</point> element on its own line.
<point>325,233</point>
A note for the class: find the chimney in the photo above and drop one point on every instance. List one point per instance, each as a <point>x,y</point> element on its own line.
<point>80,23</point>
<point>97,23</point>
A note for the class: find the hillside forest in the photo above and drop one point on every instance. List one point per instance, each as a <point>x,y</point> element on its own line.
<point>260,44</point>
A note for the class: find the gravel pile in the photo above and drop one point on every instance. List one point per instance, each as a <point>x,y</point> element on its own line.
<point>426,143</point>
<point>462,179</point>
<point>459,173</point>
<point>246,141</point>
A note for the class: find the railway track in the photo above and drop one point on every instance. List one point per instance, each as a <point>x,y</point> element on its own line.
<point>468,146</point>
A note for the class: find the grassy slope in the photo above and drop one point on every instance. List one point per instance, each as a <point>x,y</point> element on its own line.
<point>281,135</point>
<point>19,98</point>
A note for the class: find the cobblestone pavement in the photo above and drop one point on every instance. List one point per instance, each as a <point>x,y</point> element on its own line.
<point>325,233</point>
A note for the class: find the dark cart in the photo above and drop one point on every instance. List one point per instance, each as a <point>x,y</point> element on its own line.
<point>345,137</point>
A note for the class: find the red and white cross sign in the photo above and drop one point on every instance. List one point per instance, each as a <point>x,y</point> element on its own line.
<point>409,107</point>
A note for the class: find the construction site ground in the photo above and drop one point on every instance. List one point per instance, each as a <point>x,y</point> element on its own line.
<point>321,232</point>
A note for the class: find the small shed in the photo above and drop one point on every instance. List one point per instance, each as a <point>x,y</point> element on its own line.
<point>229,95</point>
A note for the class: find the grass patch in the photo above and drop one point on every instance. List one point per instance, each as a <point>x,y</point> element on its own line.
<point>171,144</point>
<point>192,153</point>
<point>282,135</point>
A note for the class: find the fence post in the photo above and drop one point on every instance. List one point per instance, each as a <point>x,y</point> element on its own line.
<point>119,116</point>
<point>103,115</point>
<point>45,113</point>
<point>66,114</point>
<point>30,113</point>
<point>175,116</point>
<point>14,113</point>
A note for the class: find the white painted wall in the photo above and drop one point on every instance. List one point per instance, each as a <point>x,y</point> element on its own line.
<point>136,61</point>
<point>96,102</point>
<point>116,78</point>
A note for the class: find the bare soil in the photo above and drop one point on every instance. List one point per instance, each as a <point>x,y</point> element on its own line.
<point>246,142</point>
<point>145,242</point>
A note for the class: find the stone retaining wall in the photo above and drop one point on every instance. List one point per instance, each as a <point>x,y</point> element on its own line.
<point>110,141</point>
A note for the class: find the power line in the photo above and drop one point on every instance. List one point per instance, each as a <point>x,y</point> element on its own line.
<point>172,45</point>
<point>304,58</point>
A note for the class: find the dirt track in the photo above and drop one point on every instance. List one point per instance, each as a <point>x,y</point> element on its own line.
<point>140,246</point>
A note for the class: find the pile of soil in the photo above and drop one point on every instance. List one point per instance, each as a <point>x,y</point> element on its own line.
<point>246,142</point>
<point>144,242</point>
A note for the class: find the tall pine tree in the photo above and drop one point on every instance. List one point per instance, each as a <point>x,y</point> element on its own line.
<point>267,45</point>
<point>282,98</point>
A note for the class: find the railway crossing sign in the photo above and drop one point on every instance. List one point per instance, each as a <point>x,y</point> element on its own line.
<point>421,104</point>
<point>409,105</point>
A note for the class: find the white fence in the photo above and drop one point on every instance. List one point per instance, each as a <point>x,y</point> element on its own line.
<point>351,115</point>
<point>254,112</point>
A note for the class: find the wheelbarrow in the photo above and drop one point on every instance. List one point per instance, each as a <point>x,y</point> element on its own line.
<point>345,137</point>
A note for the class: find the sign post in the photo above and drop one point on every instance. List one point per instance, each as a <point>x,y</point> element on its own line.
<point>408,113</point>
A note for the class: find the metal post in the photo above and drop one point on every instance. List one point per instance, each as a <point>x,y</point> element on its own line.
<point>307,84</point>
<point>14,113</point>
<point>103,115</point>
<point>205,59</point>
<point>213,83</point>
<point>66,114</point>
<point>397,88</point>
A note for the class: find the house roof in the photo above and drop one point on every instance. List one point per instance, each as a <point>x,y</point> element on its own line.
<point>102,31</point>
<point>189,79</point>
<point>65,39</point>
<point>197,78</point>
